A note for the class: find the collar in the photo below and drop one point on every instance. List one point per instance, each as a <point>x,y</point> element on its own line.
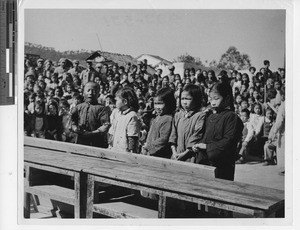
<point>126,111</point>
<point>189,113</point>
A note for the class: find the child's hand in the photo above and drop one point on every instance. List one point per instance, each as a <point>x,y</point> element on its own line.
<point>104,128</point>
<point>179,156</point>
<point>199,146</point>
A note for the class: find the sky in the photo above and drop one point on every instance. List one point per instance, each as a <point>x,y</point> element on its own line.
<point>167,33</point>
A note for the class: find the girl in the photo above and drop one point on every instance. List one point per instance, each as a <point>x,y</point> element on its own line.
<point>222,132</point>
<point>125,129</point>
<point>257,122</point>
<point>188,124</point>
<point>160,128</point>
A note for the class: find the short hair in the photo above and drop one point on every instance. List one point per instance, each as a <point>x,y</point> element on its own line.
<point>128,94</point>
<point>252,67</point>
<point>246,111</point>
<point>197,95</point>
<point>266,62</point>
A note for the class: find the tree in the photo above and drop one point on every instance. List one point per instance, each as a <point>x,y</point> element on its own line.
<point>232,59</point>
<point>213,64</point>
<point>189,59</point>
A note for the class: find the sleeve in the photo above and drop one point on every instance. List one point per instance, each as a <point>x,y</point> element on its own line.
<point>164,134</point>
<point>232,129</point>
<point>133,127</point>
<point>259,125</point>
<point>198,132</point>
<point>250,132</point>
<point>173,135</point>
<point>280,119</point>
<point>104,115</point>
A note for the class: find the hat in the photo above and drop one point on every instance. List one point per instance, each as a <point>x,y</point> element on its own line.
<point>40,60</point>
<point>98,65</point>
<point>89,61</point>
<point>171,67</point>
<point>76,62</point>
<point>48,61</point>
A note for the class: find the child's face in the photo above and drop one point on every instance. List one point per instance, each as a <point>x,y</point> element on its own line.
<point>244,117</point>
<point>138,93</point>
<point>38,99</point>
<point>250,101</point>
<point>269,115</point>
<point>257,109</point>
<point>121,104</point>
<point>58,92</point>
<point>63,110</point>
<point>159,106</point>
<point>69,89</point>
<point>238,77</point>
<point>255,94</point>
<point>91,92</point>
<point>52,110</point>
<point>238,99</point>
<point>186,101</point>
<point>244,105</point>
<point>216,100</point>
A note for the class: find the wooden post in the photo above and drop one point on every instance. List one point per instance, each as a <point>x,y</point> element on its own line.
<point>87,182</point>
<point>27,195</point>
<point>162,207</point>
<point>77,195</point>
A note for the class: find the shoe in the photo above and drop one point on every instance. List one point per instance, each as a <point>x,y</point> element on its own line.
<point>266,163</point>
<point>281,173</point>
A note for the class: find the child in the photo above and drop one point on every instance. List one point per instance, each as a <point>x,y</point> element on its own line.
<point>39,121</point>
<point>223,131</point>
<point>126,125</point>
<point>90,120</point>
<point>257,122</point>
<point>270,146</point>
<point>188,124</point>
<point>53,131</point>
<point>244,144</point>
<point>160,128</point>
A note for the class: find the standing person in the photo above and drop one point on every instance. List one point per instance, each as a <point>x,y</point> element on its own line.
<point>88,74</point>
<point>279,130</point>
<point>90,119</point>
<point>171,75</point>
<point>223,131</point>
<point>160,127</point>
<point>76,70</point>
<point>126,126</point>
<point>188,124</point>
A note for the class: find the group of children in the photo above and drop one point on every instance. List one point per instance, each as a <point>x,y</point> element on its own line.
<point>197,117</point>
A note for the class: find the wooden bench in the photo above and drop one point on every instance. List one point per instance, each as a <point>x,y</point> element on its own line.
<point>163,177</point>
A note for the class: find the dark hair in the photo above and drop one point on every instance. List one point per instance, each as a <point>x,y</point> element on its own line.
<point>225,90</point>
<point>197,95</point>
<point>252,67</point>
<point>41,104</point>
<point>129,94</point>
<point>266,62</point>
<point>246,111</point>
<point>260,106</point>
<point>167,96</point>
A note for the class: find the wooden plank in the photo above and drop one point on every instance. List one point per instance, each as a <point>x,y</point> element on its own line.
<point>50,168</point>
<point>87,195</point>
<point>203,188</point>
<point>124,210</point>
<point>54,192</point>
<point>205,201</point>
<point>167,164</point>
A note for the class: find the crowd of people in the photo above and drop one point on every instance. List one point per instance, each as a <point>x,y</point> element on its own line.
<point>201,117</point>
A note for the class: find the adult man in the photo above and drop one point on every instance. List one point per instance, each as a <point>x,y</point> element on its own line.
<point>62,68</point>
<point>171,74</point>
<point>88,74</point>
<point>76,70</point>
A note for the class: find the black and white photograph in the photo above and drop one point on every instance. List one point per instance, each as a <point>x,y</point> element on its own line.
<point>155,112</point>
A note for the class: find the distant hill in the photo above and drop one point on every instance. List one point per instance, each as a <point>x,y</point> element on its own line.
<point>81,55</point>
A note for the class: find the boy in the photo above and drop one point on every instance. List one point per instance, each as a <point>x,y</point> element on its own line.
<point>90,119</point>
<point>248,133</point>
